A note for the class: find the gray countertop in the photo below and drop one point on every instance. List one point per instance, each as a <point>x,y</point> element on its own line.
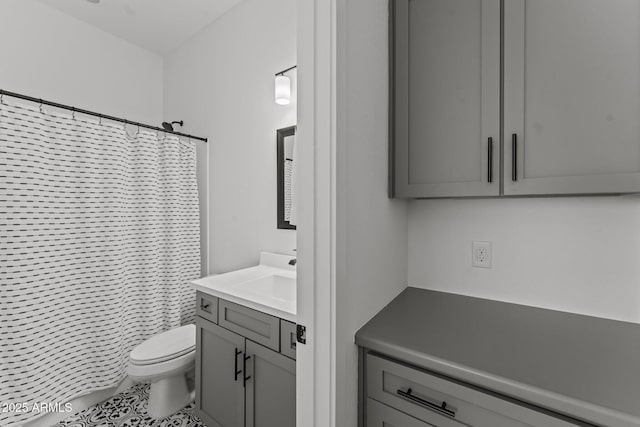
<point>585,367</point>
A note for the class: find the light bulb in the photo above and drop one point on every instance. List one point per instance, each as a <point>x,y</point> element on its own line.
<point>283,90</point>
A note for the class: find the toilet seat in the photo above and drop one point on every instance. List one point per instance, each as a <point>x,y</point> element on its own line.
<point>167,346</point>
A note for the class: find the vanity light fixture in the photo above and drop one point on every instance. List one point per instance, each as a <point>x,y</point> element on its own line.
<point>283,87</point>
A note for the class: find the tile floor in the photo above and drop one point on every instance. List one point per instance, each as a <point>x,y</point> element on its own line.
<point>129,409</point>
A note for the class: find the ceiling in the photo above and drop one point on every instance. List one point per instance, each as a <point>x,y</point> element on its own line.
<point>157,25</point>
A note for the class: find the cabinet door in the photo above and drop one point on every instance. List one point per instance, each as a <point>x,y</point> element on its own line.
<point>379,415</point>
<point>271,390</point>
<point>446,85</point>
<point>571,96</point>
<point>219,391</point>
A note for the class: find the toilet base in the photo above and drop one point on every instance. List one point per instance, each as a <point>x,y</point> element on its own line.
<point>168,395</point>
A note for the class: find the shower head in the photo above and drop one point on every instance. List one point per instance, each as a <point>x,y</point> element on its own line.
<point>169,126</point>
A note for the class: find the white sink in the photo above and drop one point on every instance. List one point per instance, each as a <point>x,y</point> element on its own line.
<point>269,287</point>
<point>274,285</point>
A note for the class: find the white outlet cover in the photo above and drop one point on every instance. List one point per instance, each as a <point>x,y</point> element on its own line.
<point>481,254</point>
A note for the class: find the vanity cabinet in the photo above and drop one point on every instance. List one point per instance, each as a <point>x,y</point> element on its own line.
<point>240,382</point>
<point>570,97</point>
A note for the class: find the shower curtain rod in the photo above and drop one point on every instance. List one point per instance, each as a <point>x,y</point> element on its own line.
<point>92,113</point>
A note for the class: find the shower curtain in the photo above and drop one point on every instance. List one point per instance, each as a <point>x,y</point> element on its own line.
<point>99,238</point>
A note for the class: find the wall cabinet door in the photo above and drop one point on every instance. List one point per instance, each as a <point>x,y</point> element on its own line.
<point>219,391</point>
<point>271,390</point>
<point>571,96</point>
<point>446,86</point>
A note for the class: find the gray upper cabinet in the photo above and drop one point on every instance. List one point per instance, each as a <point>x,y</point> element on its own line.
<point>572,96</point>
<point>446,97</point>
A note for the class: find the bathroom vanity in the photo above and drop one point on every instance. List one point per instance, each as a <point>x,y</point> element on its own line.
<point>246,346</point>
<point>437,359</point>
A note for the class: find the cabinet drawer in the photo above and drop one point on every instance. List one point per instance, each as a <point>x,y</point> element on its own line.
<point>255,325</point>
<point>207,306</point>
<point>288,338</point>
<point>446,403</point>
<point>379,415</point>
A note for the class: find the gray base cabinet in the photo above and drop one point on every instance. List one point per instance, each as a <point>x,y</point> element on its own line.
<point>271,391</point>
<point>404,396</point>
<point>219,392</point>
<point>379,415</point>
<point>239,382</point>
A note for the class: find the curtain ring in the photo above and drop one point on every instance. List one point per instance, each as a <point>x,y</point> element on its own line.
<point>41,107</point>
<point>100,119</point>
<point>138,131</point>
<point>2,99</point>
<point>126,131</point>
<point>73,113</point>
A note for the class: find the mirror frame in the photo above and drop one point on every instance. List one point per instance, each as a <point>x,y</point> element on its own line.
<point>280,135</point>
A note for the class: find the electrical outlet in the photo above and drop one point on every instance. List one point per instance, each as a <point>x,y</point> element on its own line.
<point>481,254</point>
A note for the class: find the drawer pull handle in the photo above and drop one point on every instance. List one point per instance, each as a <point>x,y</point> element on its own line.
<point>205,306</point>
<point>442,408</point>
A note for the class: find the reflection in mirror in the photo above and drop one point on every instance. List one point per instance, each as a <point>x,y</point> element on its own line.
<point>285,139</point>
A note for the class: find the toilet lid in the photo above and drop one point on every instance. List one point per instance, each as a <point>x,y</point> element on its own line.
<point>165,346</point>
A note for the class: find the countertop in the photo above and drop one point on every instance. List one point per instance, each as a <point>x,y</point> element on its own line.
<point>275,299</point>
<point>581,366</point>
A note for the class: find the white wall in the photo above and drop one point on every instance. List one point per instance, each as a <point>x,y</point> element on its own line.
<point>371,229</point>
<point>221,83</point>
<point>50,55</point>
<point>579,255</point>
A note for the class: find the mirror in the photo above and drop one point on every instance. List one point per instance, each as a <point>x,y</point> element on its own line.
<point>285,139</point>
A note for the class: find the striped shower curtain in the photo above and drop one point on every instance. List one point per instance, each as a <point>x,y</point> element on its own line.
<point>99,238</point>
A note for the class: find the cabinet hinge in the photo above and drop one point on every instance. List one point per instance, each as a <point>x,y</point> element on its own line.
<point>301,334</point>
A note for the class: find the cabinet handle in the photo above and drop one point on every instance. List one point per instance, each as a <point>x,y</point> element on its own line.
<point>237,372</point>
<point>514,157</point>
<point>245,378</point>
<point>293,341</point>
<point>490,160</point>
<point>442,408</point>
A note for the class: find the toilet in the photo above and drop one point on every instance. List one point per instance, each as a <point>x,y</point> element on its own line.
<point>163,360</point>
